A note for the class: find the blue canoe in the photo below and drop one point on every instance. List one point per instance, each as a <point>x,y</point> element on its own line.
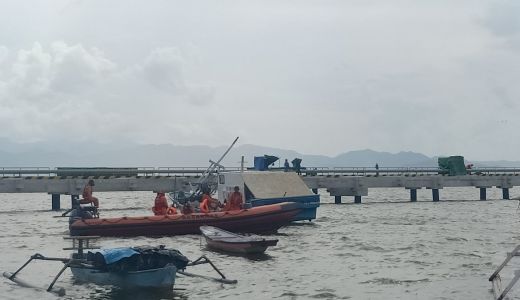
<point>153,278</point>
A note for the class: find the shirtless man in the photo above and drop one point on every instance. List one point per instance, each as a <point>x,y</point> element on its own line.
<point>87,194</point>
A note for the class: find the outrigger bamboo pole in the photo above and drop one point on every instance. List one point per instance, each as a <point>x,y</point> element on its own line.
<point>204,260</point>
<point>59,291</point>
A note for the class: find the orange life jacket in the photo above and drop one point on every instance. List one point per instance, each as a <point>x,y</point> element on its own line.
<point>171,211</point>
<point>160,205</point>
<point>204,205</point>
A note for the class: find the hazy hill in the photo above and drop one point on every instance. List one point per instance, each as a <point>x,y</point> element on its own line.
<point>132,155</point>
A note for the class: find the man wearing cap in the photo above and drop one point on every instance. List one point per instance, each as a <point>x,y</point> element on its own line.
<point>87,194</point>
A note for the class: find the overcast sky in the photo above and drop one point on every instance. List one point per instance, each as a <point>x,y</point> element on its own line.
<point>318,77</point>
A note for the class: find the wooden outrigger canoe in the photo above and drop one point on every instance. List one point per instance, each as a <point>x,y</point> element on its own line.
<point>120,267</point>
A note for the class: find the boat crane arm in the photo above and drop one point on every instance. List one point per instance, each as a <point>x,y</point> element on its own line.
<point>213,165</point>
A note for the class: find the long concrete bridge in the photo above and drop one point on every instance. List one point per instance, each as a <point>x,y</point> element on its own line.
<point>338,182</point>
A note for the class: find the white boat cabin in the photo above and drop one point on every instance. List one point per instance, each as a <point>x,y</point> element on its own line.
<point>261,185</point>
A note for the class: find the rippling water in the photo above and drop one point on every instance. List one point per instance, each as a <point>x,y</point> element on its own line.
<point>385,248</point>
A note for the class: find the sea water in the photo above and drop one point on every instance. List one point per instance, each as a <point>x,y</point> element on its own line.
<point>384,248</point>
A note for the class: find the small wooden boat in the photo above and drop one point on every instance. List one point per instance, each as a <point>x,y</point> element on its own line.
<point>220,239</point>
<point>266,218</point>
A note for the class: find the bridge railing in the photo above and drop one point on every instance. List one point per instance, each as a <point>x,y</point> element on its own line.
<point>368,171</point>
<point>130,171</point>
<point>25,171</point>
<point>186,171</point>
<point>194,171</point>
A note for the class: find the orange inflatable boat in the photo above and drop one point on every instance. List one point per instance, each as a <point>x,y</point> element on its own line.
<point>259,219</point>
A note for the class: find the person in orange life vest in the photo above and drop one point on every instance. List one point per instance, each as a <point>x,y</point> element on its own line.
<point>235,200</point>
<point>208,203</point>
<point>87,194</point>
<point>204,204</point>
<point>160,205</point>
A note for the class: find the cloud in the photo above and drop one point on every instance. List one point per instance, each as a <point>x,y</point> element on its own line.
<point>163,69</point>
<point>39,76</point>
<point>76,68</point>
<point>429,76</point>
<point>66,91</point>
<point>4,52</point>
<point>31,73</point>
<point>201,95</point>
<point>502,19</point>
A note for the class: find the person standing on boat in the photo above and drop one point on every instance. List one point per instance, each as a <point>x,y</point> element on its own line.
<point>160,205</point>
<point>87,195</point>
<point>235,200</point>
<point>286,166</point>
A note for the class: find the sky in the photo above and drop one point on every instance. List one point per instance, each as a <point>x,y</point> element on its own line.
<point>318,77</point>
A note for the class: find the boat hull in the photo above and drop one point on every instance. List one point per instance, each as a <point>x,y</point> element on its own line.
<point>240,248</point>
<point>308,203</point>
<point>154,278</point>
<point>266,218</point>
<point>223,240</point>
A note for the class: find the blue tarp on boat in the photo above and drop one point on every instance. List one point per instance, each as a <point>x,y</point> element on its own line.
<point>113,255</point>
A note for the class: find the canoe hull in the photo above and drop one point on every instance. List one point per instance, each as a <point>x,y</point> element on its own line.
<point>155,278</point>
<point>268,218</point>
<point>241,248</point>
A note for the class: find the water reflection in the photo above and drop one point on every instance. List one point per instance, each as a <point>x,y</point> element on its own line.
<point>250,256</point>
<point>115,293</point>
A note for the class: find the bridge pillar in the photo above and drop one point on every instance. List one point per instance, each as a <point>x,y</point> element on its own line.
<point>482,193</point>
<point>413,195</point>
<point>315,191</point>
<point>357,199</point>
<point>505,193</point>
<point>435,195</point>
<point>337,199</point>
<point>55,201</point>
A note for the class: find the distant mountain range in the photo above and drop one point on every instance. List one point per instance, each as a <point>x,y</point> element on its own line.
<point>53,155</point>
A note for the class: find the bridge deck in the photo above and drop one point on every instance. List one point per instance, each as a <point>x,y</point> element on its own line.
<point>338,181</point>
